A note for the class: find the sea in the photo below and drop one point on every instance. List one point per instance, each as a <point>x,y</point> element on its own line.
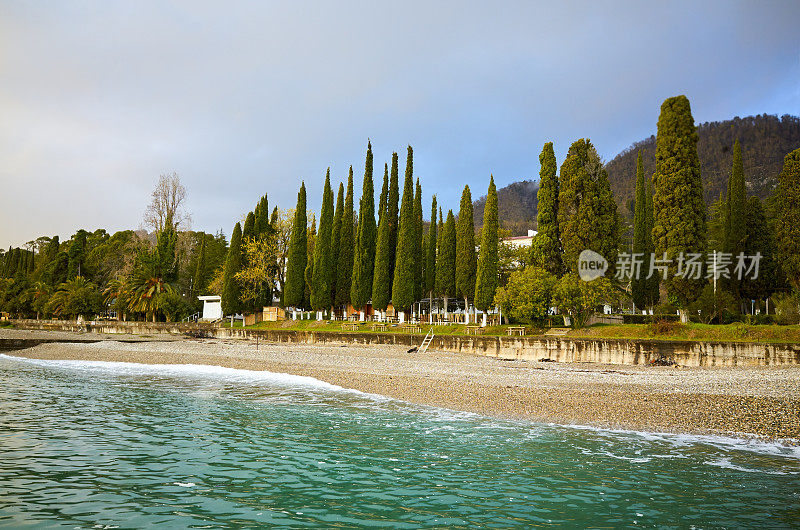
<point>89,444</point>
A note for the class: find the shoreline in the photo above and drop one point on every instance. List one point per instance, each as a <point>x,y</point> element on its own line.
<point>742,402</point>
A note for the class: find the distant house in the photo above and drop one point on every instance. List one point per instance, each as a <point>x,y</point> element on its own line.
<point>519,241</point>
<point>212,307</point>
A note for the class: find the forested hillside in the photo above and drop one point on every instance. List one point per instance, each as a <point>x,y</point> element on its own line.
<point>516,206</point>
<point>765,141</point>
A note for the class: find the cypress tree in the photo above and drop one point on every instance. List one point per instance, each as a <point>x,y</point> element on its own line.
<point>322,274</point>
<point>446,259</point>
<point>335,236</point>
<point>382,201</point>
<point>231,301</point>
<point>308,275</point>
<point>382,279</point>
<point>199,280</point>
<point>548,234</point>
<point>465,250</point>
<point>486,282</point>
<point>678,207</point>
<point>759,240</point>
<point>587,212</point>
<point>641,238</point>
<point>430,252</point>
<point>248,230</point>
<point>787,221</point>
<point>344,269</point>
<point>364,257</point>
<point>419,254</point>
<point>654,282</point>
<point>297,258</point>
<point>405,268</point>
<point>735,215</point>
<point>392,205</point>
<point>273,219</point>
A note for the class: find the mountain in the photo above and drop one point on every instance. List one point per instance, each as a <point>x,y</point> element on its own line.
<point>516,207</point>
<point>765,140</point>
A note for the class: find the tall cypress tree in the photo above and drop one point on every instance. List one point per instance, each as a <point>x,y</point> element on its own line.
<point>297,258</point>
<point>231,301</point>
<point>735,223</point>
<point>787,220</point>
<point>384,194</point>
<point>446,259</point>
<point>641,237</point>
<point>248,230</point>
<point>678,206</point>
<point>392,205</point>
<point>419,255</point>
<point>364,257</point>
<point>430,252</point>
<point>465,250</point>
<point>654,282</point>
<point>382,279</point>
<point>344,269</point>
<point>486,282</point>
<point>405,268</point>
<point>587,212</point>
<point>308,275</point>
<point>335,235</point>
<point>323,273</point>
<point>549,235</point>
<point>199,279</point>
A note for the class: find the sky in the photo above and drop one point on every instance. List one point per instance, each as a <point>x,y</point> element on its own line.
<point>97,98</point>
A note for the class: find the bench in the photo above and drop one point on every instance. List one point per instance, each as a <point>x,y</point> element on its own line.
<point>350,326</point>
<point>411,328</point>
<point>516,330</point>
<point>474,330</point>
<point>379,327</point>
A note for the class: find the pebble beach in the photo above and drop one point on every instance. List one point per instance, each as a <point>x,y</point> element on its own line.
<point>761,402</point>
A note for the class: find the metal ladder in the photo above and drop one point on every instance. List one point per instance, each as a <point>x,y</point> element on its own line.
<point>426,342</point>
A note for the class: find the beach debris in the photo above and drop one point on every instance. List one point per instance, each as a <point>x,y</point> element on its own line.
<point>412,350</point>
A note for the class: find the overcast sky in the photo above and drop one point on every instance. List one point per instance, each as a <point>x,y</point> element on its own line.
<point>98,98</point>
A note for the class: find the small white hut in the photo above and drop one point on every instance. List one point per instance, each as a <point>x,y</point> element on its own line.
<point>212,307</point>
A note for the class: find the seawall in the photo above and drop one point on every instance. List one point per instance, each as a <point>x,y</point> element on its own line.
<point>533,348</point>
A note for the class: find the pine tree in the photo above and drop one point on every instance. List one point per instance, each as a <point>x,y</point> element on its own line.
<point>321,279</point>
<point>419,255</point>
<point>486,281</point>
<point>446,259</point>
<point>231,302</point>
<point>465,250</point>
<point>297,258</point>
<point>641,238</point>
<point>678,207</point>
<point>430,252</point>
<point>335,235</point>
<point>405,268</point>
<point>199,280</point>
<point>587,212</point>
<point>364,257</point>
<point>787,221</point>
<point>344,269</point>
<point>549,236</point>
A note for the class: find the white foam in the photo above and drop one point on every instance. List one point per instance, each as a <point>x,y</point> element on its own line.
<point>188,370</point>
<point>185,484</point>
<point>727,464</point>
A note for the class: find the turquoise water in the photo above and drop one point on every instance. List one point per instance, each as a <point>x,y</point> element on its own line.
<point>92,444</point>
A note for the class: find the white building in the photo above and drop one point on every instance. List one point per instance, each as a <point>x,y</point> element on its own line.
<point>212,307</point>
<point>519,241</point>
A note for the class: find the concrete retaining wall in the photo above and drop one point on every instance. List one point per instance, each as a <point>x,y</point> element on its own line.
<point>535,348</point>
